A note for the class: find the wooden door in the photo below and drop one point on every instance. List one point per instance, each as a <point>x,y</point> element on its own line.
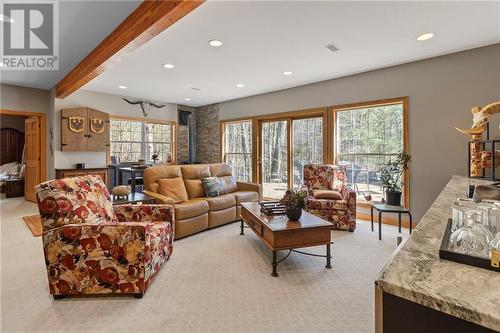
<point>32,174</point>
<point>74,129</point>
<point>97,130</point>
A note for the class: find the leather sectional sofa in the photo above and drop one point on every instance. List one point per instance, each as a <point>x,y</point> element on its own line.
<point>180,186</point>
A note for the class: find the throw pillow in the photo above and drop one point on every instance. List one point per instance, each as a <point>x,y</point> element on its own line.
<point>213,186</point>
<point>173,188</point>
<point>327,194</point>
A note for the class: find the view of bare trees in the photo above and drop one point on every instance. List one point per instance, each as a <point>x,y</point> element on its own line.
<point>158,140</point>
<point>238,149</point>
<point>134,140</point>
<point>365,137</point>
<point>307,137</point>
<point>274,158</point>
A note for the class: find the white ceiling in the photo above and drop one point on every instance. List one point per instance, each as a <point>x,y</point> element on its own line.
<point>263,39</point>
<point>76,38</point>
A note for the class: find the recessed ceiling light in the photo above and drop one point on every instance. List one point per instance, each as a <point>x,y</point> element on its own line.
<point>240,85</point>
<point>287,73</point>
<point>168,66</point>
<point>122,87</point>
<point>215,43</point>
<point>426,36</point>
<point>187,99</point>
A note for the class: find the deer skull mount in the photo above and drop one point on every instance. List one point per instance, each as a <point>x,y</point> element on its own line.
<point>145,105</point>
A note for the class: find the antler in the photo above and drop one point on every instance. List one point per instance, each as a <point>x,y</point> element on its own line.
<point>133,103</point>
<point>157,106</point>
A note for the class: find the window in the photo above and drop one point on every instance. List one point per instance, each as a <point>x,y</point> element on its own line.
<point>159,141</point>
<point>126,140</point>
<point>237,148</point>
<point>364,137</point>
<point>132,140</point>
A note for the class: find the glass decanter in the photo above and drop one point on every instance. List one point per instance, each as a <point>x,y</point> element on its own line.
<point>470,238</point>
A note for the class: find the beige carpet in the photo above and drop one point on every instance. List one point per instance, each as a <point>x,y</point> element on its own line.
<point>216,281</point>
<point>34,223</point>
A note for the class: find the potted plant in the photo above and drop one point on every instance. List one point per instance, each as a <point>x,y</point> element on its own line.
<point>390,177</point>
<point>294,201</point>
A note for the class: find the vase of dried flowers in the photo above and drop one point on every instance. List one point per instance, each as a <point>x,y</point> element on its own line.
<point>294,201</point>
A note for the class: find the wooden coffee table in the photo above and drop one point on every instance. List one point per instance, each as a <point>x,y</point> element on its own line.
<point>279,233</point>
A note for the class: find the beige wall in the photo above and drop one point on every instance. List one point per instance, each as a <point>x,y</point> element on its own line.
<point>112,104</point>
<point>441,92</point>
<point>24,99</point>
<point>30,100</point>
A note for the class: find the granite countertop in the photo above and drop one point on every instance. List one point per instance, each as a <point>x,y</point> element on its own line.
<point>415,272</point>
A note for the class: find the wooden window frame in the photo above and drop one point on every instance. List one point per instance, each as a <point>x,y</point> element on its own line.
<point>329,132</point>
<point>256,133</point>
<point>148,121</point>
<point>374,103</point>
<point>222,131</point>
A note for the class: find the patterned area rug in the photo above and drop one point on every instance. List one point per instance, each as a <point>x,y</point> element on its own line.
<point>35,224</point>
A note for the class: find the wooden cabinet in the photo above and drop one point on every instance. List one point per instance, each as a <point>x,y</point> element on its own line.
<point>101,172</point>
<point>84,129</point>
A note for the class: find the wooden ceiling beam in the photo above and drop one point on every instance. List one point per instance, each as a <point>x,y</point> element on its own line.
<point>148,20</point>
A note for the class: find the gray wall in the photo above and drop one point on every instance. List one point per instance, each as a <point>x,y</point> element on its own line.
<point>30,100</point>
<point>441,92</point>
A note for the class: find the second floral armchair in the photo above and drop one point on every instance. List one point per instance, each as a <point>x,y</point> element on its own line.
<point>340,212</point>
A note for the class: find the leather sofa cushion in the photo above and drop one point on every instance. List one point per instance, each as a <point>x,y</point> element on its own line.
<point>229,183</point>
<point>195,171</point>
<point>152,174</point>
<point>220,217</point>
<point>192,175</point>
<point>245,196</point>
<point>190,226</point>
<point>220,169</point>
<point>190,208</point>
<point>173,188</point>
<point>221,202</point>
<point>194,188</point>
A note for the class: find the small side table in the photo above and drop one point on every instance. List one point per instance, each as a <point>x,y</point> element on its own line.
<point>383,208</point>
<point>134,198</point>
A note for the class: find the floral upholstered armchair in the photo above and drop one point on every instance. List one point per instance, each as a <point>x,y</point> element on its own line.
<point>341,212</point>
<point>92,247</point>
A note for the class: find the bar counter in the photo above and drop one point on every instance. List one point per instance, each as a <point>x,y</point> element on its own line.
<point>432,294</point>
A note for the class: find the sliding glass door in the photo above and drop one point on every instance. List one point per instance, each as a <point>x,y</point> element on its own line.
<point>287,144</point>
<point>274,158</point>
<point>307,145</point>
